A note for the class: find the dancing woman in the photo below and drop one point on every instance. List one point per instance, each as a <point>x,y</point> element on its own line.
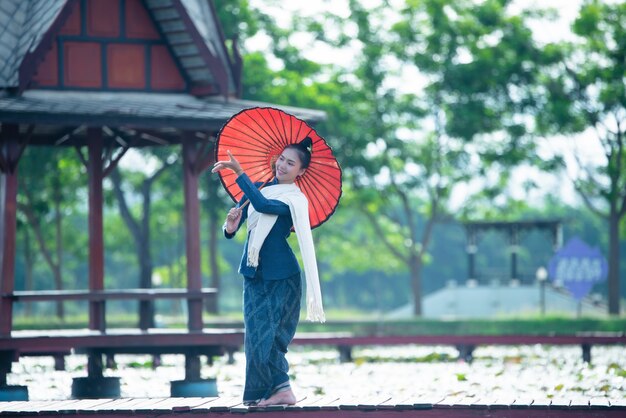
<point>272,283</point>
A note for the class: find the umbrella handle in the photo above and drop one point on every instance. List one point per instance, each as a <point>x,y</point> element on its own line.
<point>262,186</point>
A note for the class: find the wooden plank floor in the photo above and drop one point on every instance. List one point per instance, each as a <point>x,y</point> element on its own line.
<point>327,406</point>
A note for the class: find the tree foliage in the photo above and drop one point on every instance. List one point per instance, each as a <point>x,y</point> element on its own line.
<point>585,93</point>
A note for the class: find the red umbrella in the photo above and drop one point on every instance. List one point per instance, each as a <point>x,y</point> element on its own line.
<point>257,136</point>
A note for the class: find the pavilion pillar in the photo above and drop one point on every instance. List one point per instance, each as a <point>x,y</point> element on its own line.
<point>193,384</point>
<point>95,385</point>
<point>10,151</point>
<point>192,233</point>
<point>96,239</point>
<point>10,155</point>
<point>7,280</point>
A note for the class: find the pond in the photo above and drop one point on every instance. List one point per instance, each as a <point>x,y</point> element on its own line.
<point>528,372</point>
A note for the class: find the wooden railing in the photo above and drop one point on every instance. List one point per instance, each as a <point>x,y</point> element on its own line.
<point>99,342</point>
<point>464,343</point>
<point>108,294</point>
<point>98,299</point>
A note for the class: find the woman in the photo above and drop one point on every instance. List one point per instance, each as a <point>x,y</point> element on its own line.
<point>272,285</point>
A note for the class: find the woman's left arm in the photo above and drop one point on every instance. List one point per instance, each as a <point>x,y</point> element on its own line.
<point>243,215</point>
<point>260,202</point>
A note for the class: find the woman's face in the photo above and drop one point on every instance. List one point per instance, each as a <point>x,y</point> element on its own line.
<point>288,166</point>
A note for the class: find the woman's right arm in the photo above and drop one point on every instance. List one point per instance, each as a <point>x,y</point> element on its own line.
<point>235,218</point>
<point>259,202</point>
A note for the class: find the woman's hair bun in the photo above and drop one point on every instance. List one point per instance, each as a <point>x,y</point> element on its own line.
<point>307,143</point>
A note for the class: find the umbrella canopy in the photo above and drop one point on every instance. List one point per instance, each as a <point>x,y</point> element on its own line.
<point>257,136</point>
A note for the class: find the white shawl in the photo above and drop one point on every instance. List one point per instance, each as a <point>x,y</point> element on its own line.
<point>259,226</point>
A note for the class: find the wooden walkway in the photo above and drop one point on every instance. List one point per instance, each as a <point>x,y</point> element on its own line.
<point>320,407</point>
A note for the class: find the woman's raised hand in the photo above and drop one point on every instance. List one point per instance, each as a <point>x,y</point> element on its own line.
<point>232,220</point>
<point>231,164</point>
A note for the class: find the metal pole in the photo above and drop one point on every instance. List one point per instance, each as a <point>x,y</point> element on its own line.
<point>542,302</point>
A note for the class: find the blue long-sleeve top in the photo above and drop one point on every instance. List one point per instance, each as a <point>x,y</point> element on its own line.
<point>276,258</point>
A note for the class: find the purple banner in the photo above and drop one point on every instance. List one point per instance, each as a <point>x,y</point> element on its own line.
<point>578,267</point>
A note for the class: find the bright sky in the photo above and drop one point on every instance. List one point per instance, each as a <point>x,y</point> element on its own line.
<point>545,32</point>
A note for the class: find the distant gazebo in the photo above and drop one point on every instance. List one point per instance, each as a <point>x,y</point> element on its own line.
<point>103,76</point>
<point>513,230</point>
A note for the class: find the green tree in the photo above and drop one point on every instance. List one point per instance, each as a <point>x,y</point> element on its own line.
<point>48,185</point>
<point>480,65</point>
<point>585,93</point>
<point>140,225</point>
<point>238,19</point>
<point>414,148</point>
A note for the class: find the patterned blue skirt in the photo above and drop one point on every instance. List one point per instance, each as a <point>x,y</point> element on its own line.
<point>271,311</point>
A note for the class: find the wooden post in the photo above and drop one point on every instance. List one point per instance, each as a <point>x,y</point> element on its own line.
<point>10,152</point>
<point>8,256</point>
<point>192,367</point>
<point>94,365</point>
<point>192,232</point>
<point>95,385</point>
<point>586,349</point>
<point>192,241</point>
<point>96,240</point>
<point>6,360</point>
<point>10,156</point>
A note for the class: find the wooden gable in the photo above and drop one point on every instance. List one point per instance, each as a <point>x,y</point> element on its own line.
<point>111,46</point>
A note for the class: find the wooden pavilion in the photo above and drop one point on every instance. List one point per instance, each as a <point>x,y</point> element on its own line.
<point>104,76</point>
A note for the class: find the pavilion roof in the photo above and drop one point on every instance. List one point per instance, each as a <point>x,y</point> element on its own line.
<point>23,24</point>
<point>189,26</point>
<point>59,116</point>
<point>51,110</point>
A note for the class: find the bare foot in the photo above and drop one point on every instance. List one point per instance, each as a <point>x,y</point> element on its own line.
<point>285,397</point>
